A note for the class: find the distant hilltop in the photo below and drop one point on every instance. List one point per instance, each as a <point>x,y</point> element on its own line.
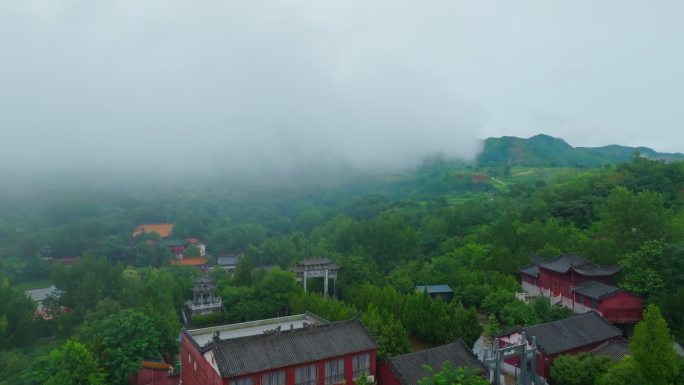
<point>545,150</point>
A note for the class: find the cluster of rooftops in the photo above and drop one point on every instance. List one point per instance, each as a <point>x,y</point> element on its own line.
<point>253,348</point>
<point>592,289</point>
<point>566,262</point>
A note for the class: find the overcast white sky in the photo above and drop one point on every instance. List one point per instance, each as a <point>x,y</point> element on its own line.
<point>373,83</point>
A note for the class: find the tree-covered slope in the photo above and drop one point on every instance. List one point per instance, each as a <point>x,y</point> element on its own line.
<point>544,150</point>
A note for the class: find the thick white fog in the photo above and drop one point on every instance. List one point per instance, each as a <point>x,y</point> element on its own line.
<point>290,85</point>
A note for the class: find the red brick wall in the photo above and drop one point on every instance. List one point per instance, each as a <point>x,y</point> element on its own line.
<point>386,375</point>
<point>148,376</point>
<point>204,374</point>
<point>320,379</point>
<point>563,282</point>
<point>622,307</point>
<point>196,370</point>
<point>529,279</point>
<point>566,281</point>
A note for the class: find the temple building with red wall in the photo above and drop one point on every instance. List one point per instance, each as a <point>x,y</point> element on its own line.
<point>582,286</point>
<point>295,350</point>
<point>408,369</point>
<point>581,333</point>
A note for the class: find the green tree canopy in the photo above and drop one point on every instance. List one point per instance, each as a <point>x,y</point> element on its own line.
<point>624,372</point>
<point>642,271</point>
<point>16,315</point>
<point>243,272</point>
<point>579,369</point>
<point>652,349</point>
<point>387,330</point>
<point>73,364</point>
<point>121,341</point>
<point>628,220</point>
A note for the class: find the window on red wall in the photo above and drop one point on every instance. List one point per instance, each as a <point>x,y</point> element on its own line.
<point>274,378</point>
<point>305,375</point>
<point>360,365</point>
<point>243,381</point>
<point>334,371</point>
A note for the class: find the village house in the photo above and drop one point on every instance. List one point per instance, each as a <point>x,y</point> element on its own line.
<point>580,333</point>
<point>408,369</point>
<point>575,283</point>
<point>38,296</point>
<point>295,350</point>
<point>228,262</point>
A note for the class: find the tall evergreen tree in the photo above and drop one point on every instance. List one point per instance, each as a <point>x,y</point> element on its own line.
<point>652,349</point>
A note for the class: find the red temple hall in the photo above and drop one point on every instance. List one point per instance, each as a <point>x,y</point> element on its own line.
<point>295,350</point>
<point>582,286</point>
<point>580,333</point>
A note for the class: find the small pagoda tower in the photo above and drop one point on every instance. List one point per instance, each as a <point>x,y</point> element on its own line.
<point>204,300</point>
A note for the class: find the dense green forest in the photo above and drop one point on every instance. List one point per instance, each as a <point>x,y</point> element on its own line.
<point>442,223</point>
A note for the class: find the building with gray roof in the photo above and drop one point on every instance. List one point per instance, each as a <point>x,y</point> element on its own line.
<point>408,369</point>
<point>293,350</point>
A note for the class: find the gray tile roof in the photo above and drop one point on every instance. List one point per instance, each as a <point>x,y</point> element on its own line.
<point>432,289</point>
<point>532,270</point>
<point>240,356</point>
<point>572,333</point>
<point>314,262</point>
<point>563,263</point>
<point>409,367</point>
<point>38,295</point>
<point>615,350</point>
<point>596,290</point>
<point>227,260</point>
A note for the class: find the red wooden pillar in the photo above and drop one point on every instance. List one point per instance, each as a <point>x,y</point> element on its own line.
<point>290,376</point>
<point>348,370</point>
<point>320,376</point>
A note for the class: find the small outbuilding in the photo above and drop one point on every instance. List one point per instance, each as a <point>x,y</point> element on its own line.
<point>228,262</point>
<point>437,291</point>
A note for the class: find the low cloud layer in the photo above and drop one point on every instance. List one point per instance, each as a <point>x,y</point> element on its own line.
<point>276,85</point>
<point>290,85</point>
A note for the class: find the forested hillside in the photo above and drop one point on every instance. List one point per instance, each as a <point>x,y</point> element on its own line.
<point>443,223</point>
<point>544,150</point>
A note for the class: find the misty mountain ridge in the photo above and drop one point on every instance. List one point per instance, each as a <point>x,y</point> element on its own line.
<point>545,150</point>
